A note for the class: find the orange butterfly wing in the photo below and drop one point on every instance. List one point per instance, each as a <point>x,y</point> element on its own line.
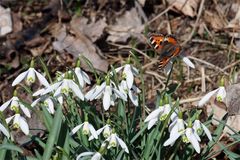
<point>156,41</point>
<point>167,47</point>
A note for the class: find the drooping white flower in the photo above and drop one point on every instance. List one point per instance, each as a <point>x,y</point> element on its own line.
<point>114,141</point>
<point>83,78</point>
<point>198,126</point>
<point>90,94</point>
<point>4,130</point>
<point>64,87</point>
<point>107,131</point>
<point>176,131</point>
<point>131,92</point>
<point>93,155</point>
<point>30,76</point>
<point>160,113</point>
<point>108,92</point>
<point>128,72</point>
<point>19,122</point>
<point>15,104</point>
<point>87,129</point>
<point>193,138</point>
<point>47,102</point>
<point>220,94</point>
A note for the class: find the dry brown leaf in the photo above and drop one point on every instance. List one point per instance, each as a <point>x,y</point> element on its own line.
<point>5,21</point>
<point>233,122</point>
<point>92,30</point>
<point>235,22</point>
<point>214,20</point>
<point>78,45</point>
<point>128,24</point>
<point>187,7</point>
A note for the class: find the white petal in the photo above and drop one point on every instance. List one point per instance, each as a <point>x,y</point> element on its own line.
<point>86,77</point>
<point>25,110</point>
<point>20,78</point>
<point>154,114</point>
<point>89,94</point>
<point>4,131</point>
<point>23,125</point>
<point>50,107</point>
<point>52,87</point>
<point>129,75</point>
<point>39,92</point>
<point>75,129</point>
<point>107,98</point>
<point>79,76</point>
<point>206,130</point>
<point>84,154</point>
<point>191,137</point>
<point>5,105</point>
<point>152,122</point>
<point>99,91</point>
<point>93,131</point>
<point>99,131</point>
<point>133,98</point>
<point>35,102</point>
<point>76,89</point>
<point>121,95</point>
<point>31,75</point>
<point>118,69</point>
<point>96,156</point>
<point>188,62</point>
<point>221,94</point>
<point>171,139</point>
<point>206,98</point>
<point>9,119</point>
<point>122,144</point>
<point>42,79</point>
<point>197,125</point>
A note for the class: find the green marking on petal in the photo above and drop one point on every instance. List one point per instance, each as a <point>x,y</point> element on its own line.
<point>185,139</point>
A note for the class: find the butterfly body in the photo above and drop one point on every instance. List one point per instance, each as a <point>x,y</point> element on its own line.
<point>166,46</point>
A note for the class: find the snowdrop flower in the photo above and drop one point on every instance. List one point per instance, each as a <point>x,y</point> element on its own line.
<point>177,130</point>
<point>160,113</point>
<point>107,131</point>
<point>64,87</point>
<point>87,129</point>
<point>128,72</point>
<point>114,141</point>
<point>47,102</point>
<point>220,94</point>
<point>108,92</point>
<point>91,93</point>
<point>4,130</point>
<point>131,92</point>
<point>15,104</point>
<point>193,138</point>
<point>95,155</point>
<point>19,122</point>
<point>198,126</point>
<point>30,76</point>
<point>81,75</point>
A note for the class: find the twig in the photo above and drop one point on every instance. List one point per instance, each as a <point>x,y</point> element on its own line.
<point>189,100</point>
<point>141,12</point>
<point>203,79</point>
<point>196,23</point>
<point>160,14</point>
<point>129,47</point>
<point>231,65</point>
<point>209,64</point>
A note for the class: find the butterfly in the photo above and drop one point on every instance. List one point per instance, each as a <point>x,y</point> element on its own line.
<point>166,46</point>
